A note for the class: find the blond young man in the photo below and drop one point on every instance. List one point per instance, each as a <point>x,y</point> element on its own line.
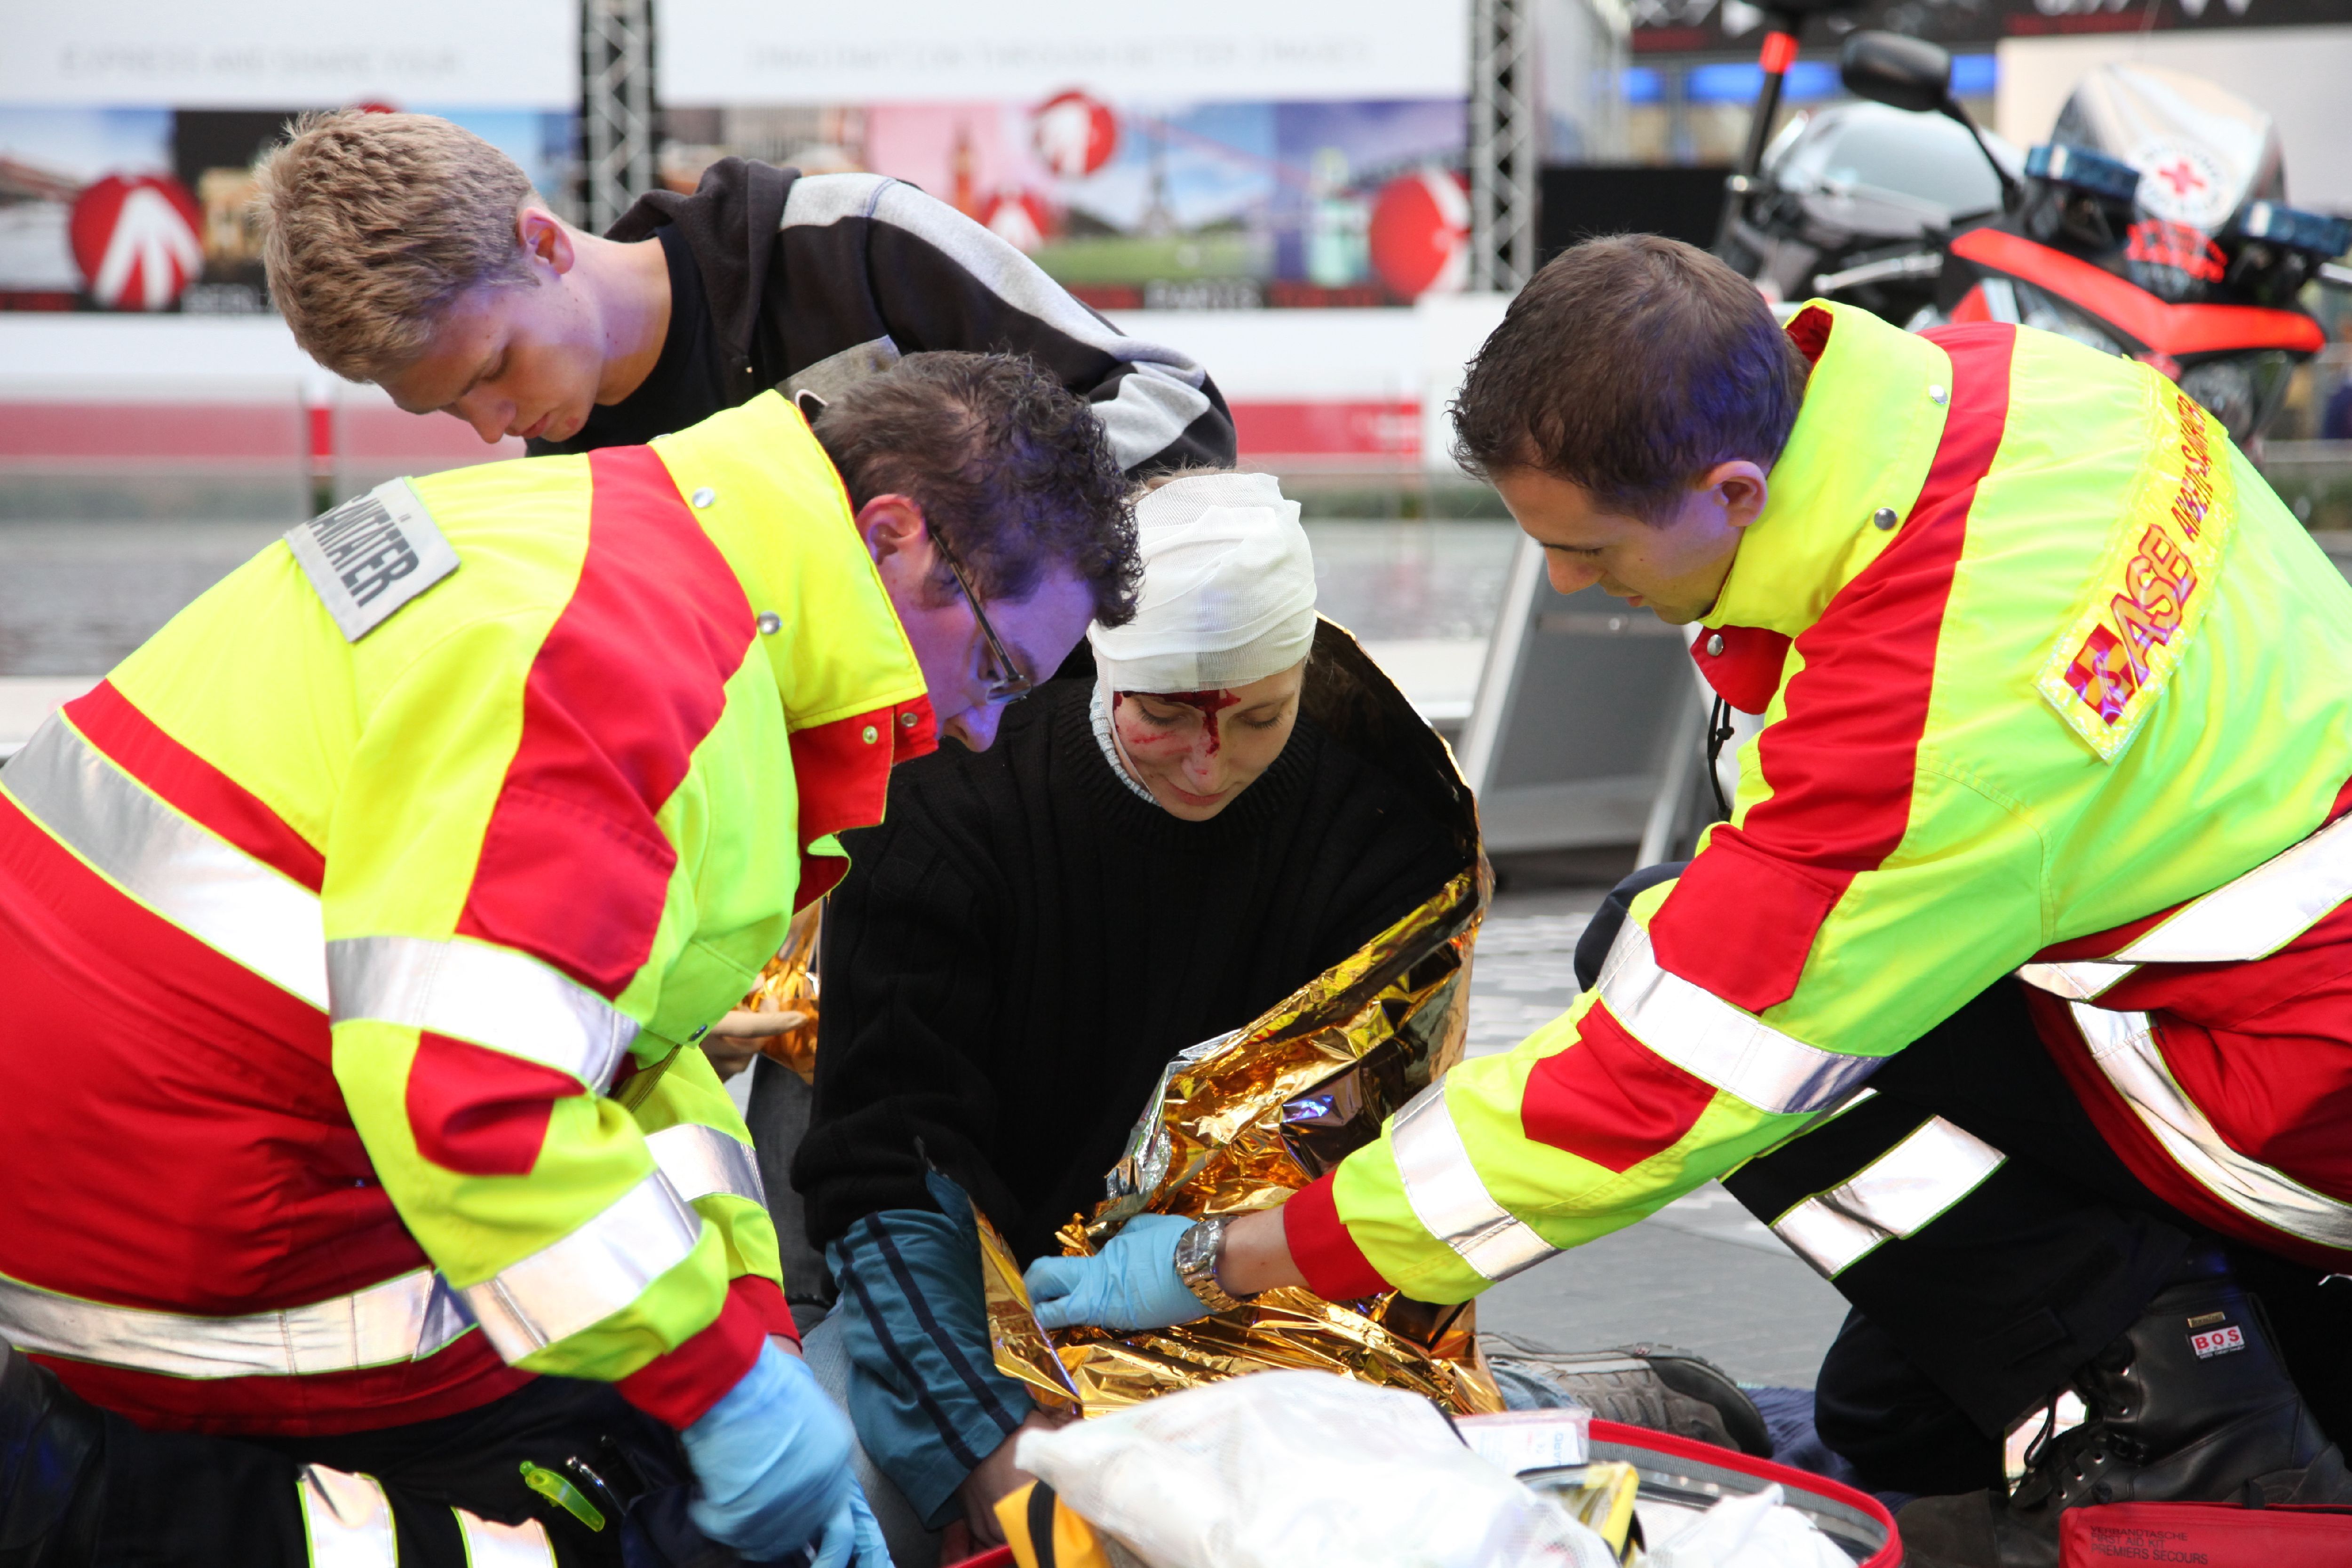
<point>407,251</point>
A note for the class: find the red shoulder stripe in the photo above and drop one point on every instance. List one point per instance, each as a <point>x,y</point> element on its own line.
<point>1842,761</point>
<point>631,678</point>
<point>141,748</point>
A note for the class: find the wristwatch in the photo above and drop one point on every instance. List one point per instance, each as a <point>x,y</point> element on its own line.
<point>1196,1263</point>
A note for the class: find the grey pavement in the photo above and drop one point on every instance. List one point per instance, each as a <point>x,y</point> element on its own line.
<point>1702,1273</point>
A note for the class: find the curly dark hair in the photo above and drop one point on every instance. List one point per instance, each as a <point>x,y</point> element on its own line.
<point>1013,471</point>
<point>1629,367</point>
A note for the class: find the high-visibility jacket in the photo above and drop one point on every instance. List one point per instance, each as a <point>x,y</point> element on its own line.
<point>354,932</point>
<point>2042,660</point>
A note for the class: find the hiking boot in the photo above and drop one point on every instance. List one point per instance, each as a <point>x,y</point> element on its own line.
<point>1657,1386</point>
<point>51,1474</point>
<point>2191,1404</point>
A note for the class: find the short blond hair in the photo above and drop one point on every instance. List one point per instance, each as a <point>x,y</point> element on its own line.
<point>372,223</point>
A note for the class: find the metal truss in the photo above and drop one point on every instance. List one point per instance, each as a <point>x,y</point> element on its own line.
<point>1505,146</point>
<point>616,107</point>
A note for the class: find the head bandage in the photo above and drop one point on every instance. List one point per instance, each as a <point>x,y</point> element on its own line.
<point>1228,589</point>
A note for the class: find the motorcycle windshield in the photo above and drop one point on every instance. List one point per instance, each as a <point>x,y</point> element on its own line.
<point>2201,153</point>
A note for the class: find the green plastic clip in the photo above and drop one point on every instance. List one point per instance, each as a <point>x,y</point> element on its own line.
<point>562,1494</point>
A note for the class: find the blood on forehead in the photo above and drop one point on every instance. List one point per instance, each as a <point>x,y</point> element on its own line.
<point>1208,704</point>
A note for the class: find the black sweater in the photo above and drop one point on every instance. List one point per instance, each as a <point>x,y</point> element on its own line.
<point>809,281</point>
<point>1025,944</point>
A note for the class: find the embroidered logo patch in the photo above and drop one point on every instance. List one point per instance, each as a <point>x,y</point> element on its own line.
<point>2152,590</point>
<point>371,555</point>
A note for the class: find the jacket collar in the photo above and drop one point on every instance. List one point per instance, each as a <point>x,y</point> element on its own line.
<point>772,503</point>
<point>730,224</point>
<point>1862,443</point>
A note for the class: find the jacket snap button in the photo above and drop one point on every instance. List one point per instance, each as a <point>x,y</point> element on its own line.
<point>905,721</point>
<point>872,734</point>
<point>1884,518</point>
<point>704,496</point>
<point>1939,395</point>
<point>771,623</point>
<point>1714,646</point>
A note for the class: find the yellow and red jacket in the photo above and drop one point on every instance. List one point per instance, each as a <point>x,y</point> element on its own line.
<point>356,929</point>
<point>2051,682</point>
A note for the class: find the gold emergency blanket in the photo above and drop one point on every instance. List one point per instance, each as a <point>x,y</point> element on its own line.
<point>1239,1123</point>
<point>788,985</point>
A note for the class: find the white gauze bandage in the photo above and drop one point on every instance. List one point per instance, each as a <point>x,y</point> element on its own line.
<point>1228,589</point>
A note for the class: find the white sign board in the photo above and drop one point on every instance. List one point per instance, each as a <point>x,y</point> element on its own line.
<point>286,54</point>
<point>1152,51</point>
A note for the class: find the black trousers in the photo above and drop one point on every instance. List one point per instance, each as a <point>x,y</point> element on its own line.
<point>1982,1312</point>
<point>176,1499</point>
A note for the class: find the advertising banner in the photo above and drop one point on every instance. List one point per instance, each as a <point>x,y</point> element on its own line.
<point>260,54</point>
<point>757,52</point>
<point>1697,26</point>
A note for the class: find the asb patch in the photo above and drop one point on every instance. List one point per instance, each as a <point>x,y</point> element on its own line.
<point>371,555</point>
<point>2151,591</point>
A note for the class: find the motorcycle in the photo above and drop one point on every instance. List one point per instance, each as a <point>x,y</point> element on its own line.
<point>2152,225</point>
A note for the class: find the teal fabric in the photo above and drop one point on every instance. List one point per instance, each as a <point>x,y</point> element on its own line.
<point>924,1392</point>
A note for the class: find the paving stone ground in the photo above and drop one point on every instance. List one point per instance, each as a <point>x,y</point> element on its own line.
<point>1702,1273</point>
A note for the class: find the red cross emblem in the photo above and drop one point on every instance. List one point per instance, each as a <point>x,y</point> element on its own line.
<point>2181,176</point>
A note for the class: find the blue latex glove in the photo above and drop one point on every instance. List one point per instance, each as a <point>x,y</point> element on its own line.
<point>771,1461</point>
<point>1130,1284</point>
<point>853,1537</point>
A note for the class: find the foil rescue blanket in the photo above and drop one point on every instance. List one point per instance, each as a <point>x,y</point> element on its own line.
<point>1239,1123</point>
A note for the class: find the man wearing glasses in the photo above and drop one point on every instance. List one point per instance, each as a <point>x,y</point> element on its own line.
<point>415,857</point>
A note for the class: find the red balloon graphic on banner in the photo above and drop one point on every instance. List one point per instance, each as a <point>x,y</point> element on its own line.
<point>1420,234</point>
<point>1074,134</point>
<point>134,239</point>
<point>1017,217</point>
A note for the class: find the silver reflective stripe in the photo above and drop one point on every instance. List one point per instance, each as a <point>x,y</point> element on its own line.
<point>1895,1195</point>
<point>589,1275</point>
<point>700,1161</point>
<point>1448,1196</point>
<point>251,912</point>
<point>490,1544</point>
<point>2123,1046</point>
<point>490,995</point>
<point>2255,915</point>
<point>2251,916</point>
<point>2077,982</point>
<point>403,1318</point>
<point>1711,1039</point>
<point>347,1518</point>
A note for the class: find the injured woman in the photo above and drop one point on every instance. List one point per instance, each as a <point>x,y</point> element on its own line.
<point>1140,865</point>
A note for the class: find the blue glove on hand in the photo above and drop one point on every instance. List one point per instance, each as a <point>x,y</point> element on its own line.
<point>1130,1284</point>
<point>771,1461</point>
<point>853,1537</point>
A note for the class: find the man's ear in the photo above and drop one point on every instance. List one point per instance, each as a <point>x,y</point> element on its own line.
<point>1742,489</point>
<point>893,525</point>
<point>542,234</point>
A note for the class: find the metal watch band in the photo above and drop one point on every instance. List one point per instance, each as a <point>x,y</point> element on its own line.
<point>1196,1263</point>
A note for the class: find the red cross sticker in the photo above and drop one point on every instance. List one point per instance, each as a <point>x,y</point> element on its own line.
<point>2181,176</point>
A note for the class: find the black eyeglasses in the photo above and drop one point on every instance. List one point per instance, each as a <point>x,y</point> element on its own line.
<point>1005,680</point>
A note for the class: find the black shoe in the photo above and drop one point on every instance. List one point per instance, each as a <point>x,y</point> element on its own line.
<point>1657,1386</point>
<point>2191,1404</point>
<point>51,1474</point>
